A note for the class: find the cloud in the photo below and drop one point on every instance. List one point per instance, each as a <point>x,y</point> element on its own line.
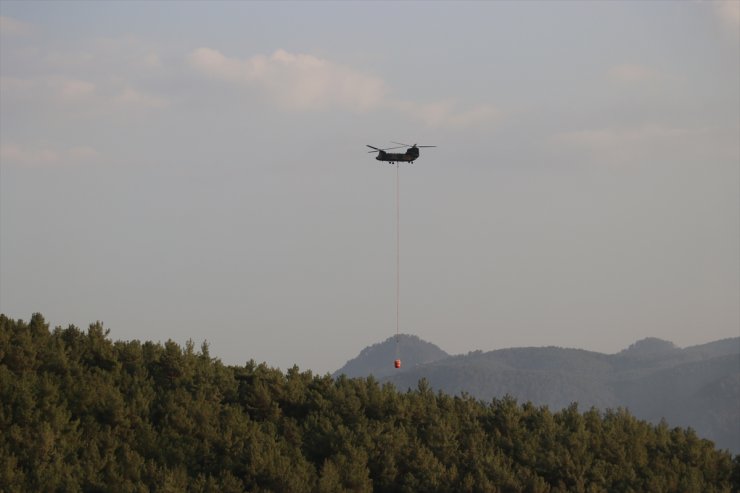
<point>728,11</point>
<point>305,82</point>
<point>55,92</point>
<point>14,27</point>
<point>296,81</point>
<point>112,75</point>
<point>69,90</point>
<point>101,77</point>
<point>52,88</point>
<point>99,58</point>
<point>20,156</point>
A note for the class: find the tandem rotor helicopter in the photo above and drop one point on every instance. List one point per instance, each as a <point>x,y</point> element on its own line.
<point>411,154</point>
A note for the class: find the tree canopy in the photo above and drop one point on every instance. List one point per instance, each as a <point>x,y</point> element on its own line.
<point>80,412</point>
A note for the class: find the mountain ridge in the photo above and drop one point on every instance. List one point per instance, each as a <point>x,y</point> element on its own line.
<point>371,359</point>
<point>696,386</point>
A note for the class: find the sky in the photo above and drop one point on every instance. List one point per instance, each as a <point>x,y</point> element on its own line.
<point>193,170</point>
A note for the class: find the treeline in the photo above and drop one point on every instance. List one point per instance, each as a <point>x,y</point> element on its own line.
<point>79,412</point>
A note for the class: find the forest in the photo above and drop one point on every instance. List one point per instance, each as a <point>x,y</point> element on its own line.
<point>697,386</point>
<point>80,412</point>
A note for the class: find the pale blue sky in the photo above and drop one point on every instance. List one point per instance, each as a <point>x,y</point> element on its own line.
<point>198,170</point>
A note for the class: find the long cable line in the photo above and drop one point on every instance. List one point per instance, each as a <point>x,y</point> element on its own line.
<point>398,262</point>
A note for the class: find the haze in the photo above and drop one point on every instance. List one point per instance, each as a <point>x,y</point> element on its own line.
<point>198,170</point>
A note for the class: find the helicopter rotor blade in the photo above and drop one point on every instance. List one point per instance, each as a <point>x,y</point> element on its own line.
<point>409,145</point>
<point>386,149</point>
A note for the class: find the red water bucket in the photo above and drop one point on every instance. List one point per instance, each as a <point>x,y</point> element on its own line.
<point>397,363</point>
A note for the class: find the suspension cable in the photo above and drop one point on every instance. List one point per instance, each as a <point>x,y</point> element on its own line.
<point>398,257</point>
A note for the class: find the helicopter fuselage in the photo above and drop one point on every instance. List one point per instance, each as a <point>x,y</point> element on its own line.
<point>409,156</point>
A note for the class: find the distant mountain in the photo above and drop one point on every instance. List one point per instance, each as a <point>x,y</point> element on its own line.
<point>697,386</point>
<point>377,360</point>
<point>723,347</point>
<point>545,376</point>
<point>650,347</point>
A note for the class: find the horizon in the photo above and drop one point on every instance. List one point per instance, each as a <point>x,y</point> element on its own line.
<point>390,339</point>
<point>464,353</point>
<point>198,171</point>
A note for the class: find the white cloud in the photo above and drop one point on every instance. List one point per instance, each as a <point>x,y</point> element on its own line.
<point>728,12</point>
<point>213,63</point>
<point>53,88</point>
<point>125,56</point>
<point>296,81</point>
<point>305,82</point>
<point>24,156</point>
<point>103,77</point>
<point>14,27</point>
<point>111,75</point>
<point>69,90</point>
<point>77,96</point>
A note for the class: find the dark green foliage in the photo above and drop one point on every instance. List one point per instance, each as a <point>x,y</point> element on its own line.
<point>79,412</point>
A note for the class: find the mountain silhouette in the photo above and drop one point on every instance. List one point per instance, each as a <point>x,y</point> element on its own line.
<point>697,386</point>
<point>377,360</point>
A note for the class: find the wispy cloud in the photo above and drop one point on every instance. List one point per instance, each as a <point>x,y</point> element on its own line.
<point>296,81</point>
<point>54,92</point>
<point>110,75</point>
<point>14,27</point>
<point>67,89</point>
<point>52,88</point>
<point>105,76</point>
<point>44,156</point>
<point>306,82</point>
<point>728,11</point>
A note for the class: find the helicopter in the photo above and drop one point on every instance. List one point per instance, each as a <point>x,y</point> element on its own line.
<point>411,154</point>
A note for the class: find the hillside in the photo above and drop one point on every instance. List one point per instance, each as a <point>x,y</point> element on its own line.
<point>695,386</point>
<point>377,360</point>
<point>80,412</point>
